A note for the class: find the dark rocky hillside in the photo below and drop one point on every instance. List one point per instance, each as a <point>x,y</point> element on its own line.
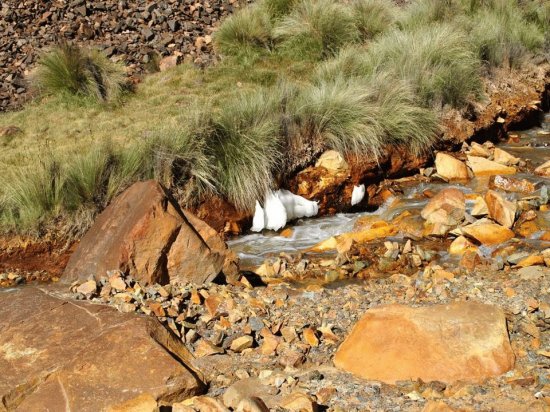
<point>129,31</point>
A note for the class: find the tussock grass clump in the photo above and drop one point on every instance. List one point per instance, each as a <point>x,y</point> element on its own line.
<point>364,115</point>
<point>504,38</point>
<point>351,61</point>
<point>179,159</point>
<point>278,8</point>
<point>244,146</point>
<point>342,114</point>
<point>245,34</point>
<point>31,195</point>
<point>404,121</point>
<point>373,17</point>
<point>316,29</point>
<point>437,61</point>
<point>70,70</point>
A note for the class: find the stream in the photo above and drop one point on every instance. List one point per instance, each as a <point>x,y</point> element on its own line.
<point>532,146</point>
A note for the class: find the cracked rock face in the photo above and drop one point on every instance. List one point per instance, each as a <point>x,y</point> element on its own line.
<point>145,234</point>
<point>62,355</point>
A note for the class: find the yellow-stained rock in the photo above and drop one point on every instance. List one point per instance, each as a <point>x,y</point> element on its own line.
<point>358,237</point>
<point>505,158</point>
<point>488,233</point>
<point>543,169</point>
<point>450,167</point>
<point>465,341</point>
<point>332,160</point>
<point>480,207</point>
<point>478,150</point>
<point>483,167</point>
<point>532,260</point>
<point>500,209</point>
<point>461,245</point>
<point>437,406</point>
<point>142,403</point>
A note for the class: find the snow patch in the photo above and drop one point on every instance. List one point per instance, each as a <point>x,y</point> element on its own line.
<point>358,194</point>
<point>258,223</point>
<point>275,212</point>
<point>280,207</point>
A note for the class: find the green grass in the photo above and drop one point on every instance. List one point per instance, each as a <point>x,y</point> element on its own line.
<point>373,17</point>
<point>245,147</point>
<point>505,38</point>
<point>71,70</point>
<point>31,195</point>
<point>295,78</point>
<point>437,61</point>
<point>245,34</point>
<point>316,29</point>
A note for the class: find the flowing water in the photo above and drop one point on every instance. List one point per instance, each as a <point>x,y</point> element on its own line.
<point>532,145</point>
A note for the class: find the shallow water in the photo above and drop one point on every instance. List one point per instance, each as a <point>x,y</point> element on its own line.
<point>533,145</point>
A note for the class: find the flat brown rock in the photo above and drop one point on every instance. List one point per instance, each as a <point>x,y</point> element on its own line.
<point>461,341</point>
<point>58,355</point>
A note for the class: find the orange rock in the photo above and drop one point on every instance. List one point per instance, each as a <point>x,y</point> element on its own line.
<point>288,232</point>
<point>470,260</point>
<point>461,245</point>
<point>526,229</point>
<point>447,208</point>
<point>480,207</point>
<point>437,406</point>
<point>546,236</point>
<point>212,303</point>
<point>441,275</point>
<point>358,237</point>
<point>532,260</point>
<point>483,167</point>
<point>450,167</point>
<point>310,338</point>
<point>488,233</point>
<point>500,209</point>
<point>462,341</point>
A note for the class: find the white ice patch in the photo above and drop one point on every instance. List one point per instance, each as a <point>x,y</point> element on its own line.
<point>280,207</point>
<point>258,223</point>
<point>275,213</point>
<point>358,194</point>
<point>297,206</point>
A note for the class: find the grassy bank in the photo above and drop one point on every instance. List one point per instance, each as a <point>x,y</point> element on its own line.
<point>355,76</point>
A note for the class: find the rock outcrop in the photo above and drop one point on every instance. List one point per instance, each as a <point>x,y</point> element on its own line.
<point>461,341</point>
<point>58,354</point>
<point>144,233</point>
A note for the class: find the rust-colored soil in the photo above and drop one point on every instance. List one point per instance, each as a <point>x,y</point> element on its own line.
<point>26,255</point>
